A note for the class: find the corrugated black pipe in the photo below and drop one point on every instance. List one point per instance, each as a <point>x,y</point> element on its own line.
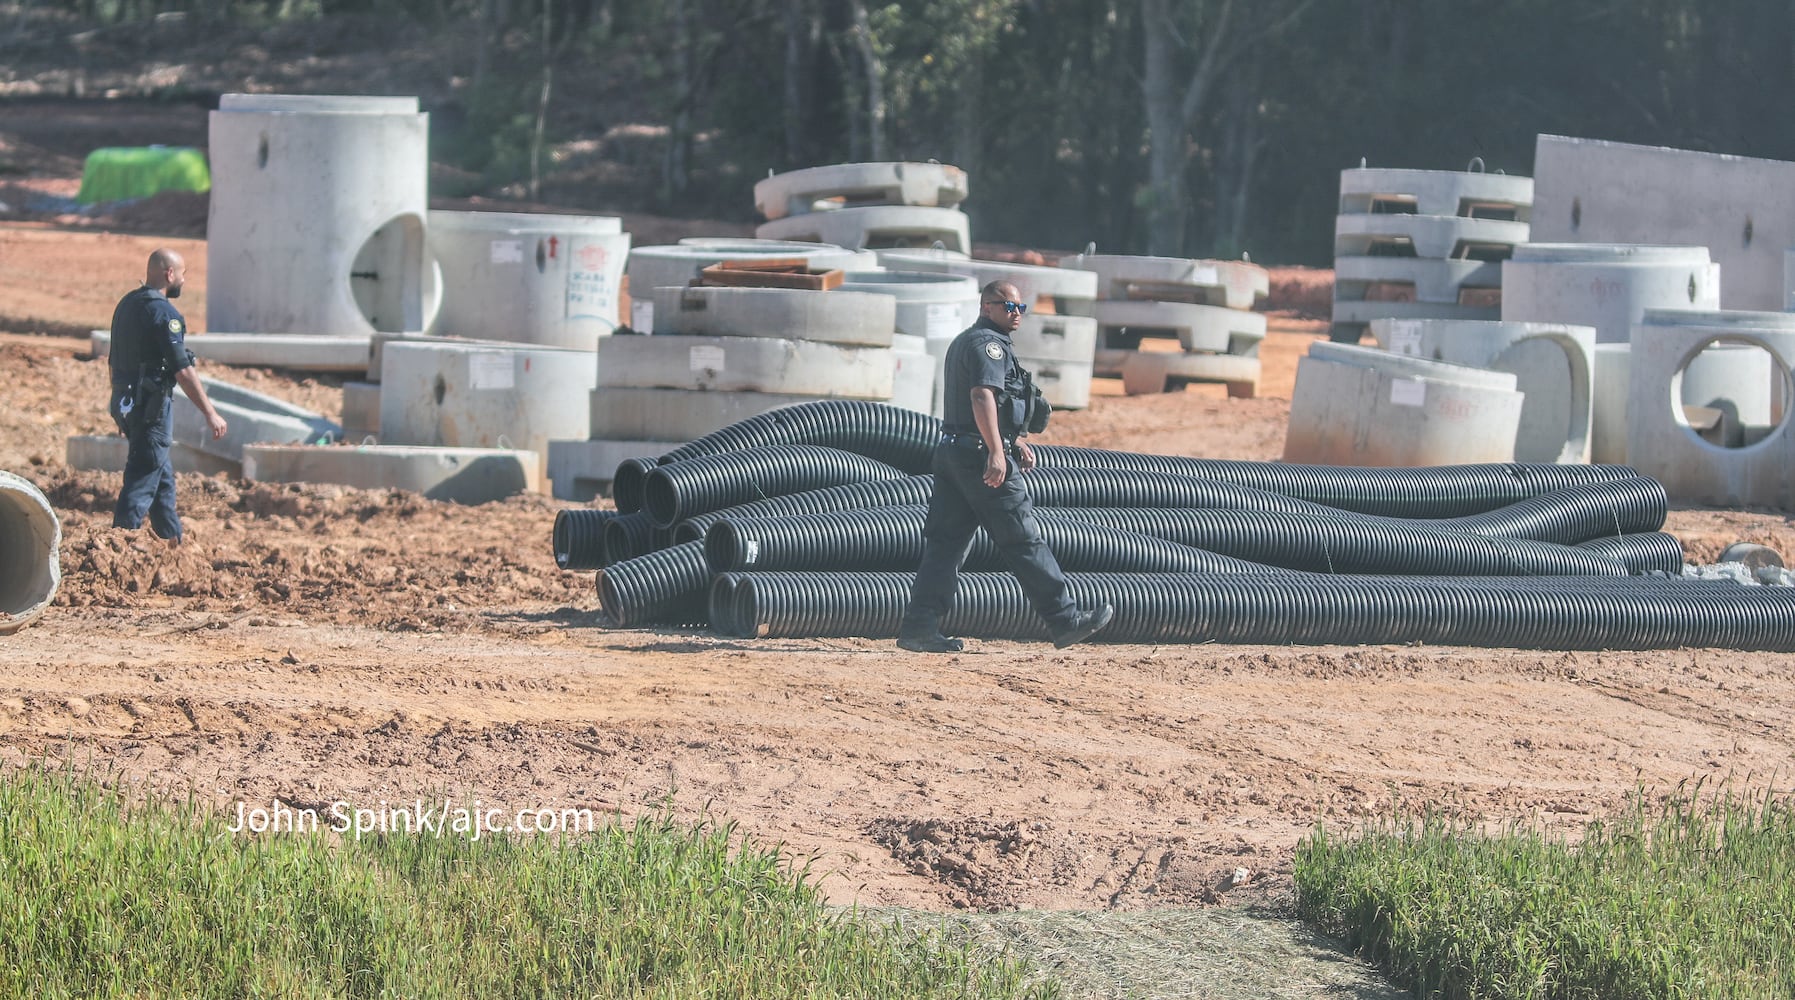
<point>1339,543</point>
<point>850,496</point>
<point>626,483</point>
<point>630,535</point>
<point>721,602</point>
<point>1514,612</point>
<point>1648,552</point>
<point>669,585</point>
<point>693,486</point>
<point>1434,491</point>
<point>579,537</point>
<point>899,437</point>
<point>890,538</point>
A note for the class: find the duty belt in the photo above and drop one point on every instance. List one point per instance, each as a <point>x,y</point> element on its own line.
<point>971,440</point>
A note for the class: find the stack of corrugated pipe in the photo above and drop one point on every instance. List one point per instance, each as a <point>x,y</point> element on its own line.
<point>806,521</point>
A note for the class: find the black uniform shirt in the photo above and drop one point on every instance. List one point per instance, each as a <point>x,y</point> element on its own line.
<point>982,355</point>
<point>147,329</point>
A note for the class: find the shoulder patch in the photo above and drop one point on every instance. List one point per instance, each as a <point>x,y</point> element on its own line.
<point>174,326</point>
<point>994,351</point>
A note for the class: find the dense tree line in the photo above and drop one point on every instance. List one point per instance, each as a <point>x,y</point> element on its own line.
<point>1189,127</point>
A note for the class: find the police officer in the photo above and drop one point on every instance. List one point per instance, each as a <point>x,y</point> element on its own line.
<point>149,358</point>
<point>985,415</point>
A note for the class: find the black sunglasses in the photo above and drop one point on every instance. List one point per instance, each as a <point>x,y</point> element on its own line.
<point>1013,308</point>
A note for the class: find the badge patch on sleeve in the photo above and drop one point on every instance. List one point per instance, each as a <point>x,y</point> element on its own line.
<point>174,326</point>
<point>994,352</point>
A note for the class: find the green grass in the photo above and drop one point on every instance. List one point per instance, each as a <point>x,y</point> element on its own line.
<point>158,899</point>
<point>1690,898</point>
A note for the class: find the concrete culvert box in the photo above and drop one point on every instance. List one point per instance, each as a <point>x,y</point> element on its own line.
<point>317,215</point>
<point>837,185</point>
<point>30,540</point>
<point>552,280</point>
<point>483,397</point>
<point>1553,365</point>
<point>1607,286</point>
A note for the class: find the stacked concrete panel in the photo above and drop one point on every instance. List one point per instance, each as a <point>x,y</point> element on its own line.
<point>1361,406</point>
<point>1423,244</point>
<point>678,265</point>
<point>1058,337</point>
<point>1205,305</point>
<point>867,205</point>
<point>553,280</point>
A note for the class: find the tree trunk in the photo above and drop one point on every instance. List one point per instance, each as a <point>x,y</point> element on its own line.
<point>1165,128</point>
<point>793,117</point>
<point>874,66</point>
<point>674,165</point>
<point>548,79</point>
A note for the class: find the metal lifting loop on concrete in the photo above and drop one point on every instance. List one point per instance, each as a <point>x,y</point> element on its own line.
<point>30,567</point>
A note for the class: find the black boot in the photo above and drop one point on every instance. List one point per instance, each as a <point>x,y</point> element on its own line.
<point>1083,625</point>
<point>922,634</point>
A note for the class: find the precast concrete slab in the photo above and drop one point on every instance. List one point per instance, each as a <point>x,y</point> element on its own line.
<point>1660,441</point>
<point>677,265</point>
<point>926,304</point>
<point>1363,406</point>
<point>1553,365</point>
<point>1607,286</point>
<point>1047,337</point>
<point>875,226</point>
<point>582,470</point>
<point>832,317</point>
<point>250,417</point>
<point>1368,190</point>
<point>30,553</point>
<point>459,475</point>
<point>377,346</point>
<point>745,364</point>
<point>1037,284</point>
<point>1230,284</point>
<point>1215,329</point>
<point>1442,281</point>
<point>1741,208</point>
<point>306,352</point>
<point>839,185</point>
<point>317,215</point>
<point>675,416</point>
<point>107,453</point>
<point>1168,371</point>
<point>1432,236</point>
<point>361,410</point>
<point>449,395</point>
<point>1359,313</point>
<point>553,280</point>
<point>1065,384</point>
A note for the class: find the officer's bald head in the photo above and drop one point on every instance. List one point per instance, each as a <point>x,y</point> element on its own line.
<point>167,272</point>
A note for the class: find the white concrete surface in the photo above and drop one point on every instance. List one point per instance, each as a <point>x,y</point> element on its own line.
<point>511,397</point>
<point>1230,284</point>
<point>1047,337</point>
<point>107,453</point>
<point>552,280</point>
<point>1436,237</point>
<point>582,470</point>
<point>1607,286</point>
<point>250,417</point>
<point>1038,284</point>
<point>305,352</point>
<point>461,475</point>
<point>875,226</point>
<point>839,185</point>
<point>1435,192</point>
<point>675,416</point>
<point>679,264</point>
<point>30,553</point>
<point>841,316</point>
<point>743,364</point>
<point>1443,281</point>
<point>1210,329</point>
<point>1162,371</point>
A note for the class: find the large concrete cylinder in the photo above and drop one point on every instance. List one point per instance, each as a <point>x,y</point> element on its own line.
<point>30,536</point>
<point>1361,406</point>
<point>1605,285</point>
<point>933,306</point>
<point>552,280</point>
<point>317,215</point>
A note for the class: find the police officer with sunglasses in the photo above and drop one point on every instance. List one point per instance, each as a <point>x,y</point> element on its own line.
<point>988,399</point>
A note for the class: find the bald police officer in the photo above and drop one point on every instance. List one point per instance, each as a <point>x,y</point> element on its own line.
<point>149,358</point>
<point>984,420</point>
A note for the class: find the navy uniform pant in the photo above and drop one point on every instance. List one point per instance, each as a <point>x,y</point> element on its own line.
<point>149,476</point>
<point>960,504</point>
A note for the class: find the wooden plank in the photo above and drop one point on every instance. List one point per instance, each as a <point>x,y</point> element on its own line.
<point>765,277</point>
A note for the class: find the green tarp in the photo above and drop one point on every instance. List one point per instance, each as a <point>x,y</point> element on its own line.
<point>119,172</point>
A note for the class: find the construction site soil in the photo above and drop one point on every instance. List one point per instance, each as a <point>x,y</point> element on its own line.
<point>320,644</point>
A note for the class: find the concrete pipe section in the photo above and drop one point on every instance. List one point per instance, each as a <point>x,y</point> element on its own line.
<point>743,364</point>
<point>252,416</point>
<point>550,280</point>
<point>317,215</point>
<point>838,185</point>
<point>1362,406</point>
<point>679,264</point>
<point>457,396</point>
<point>1229,284</point>
<point>1605,285</point>
<point>1430,236</point>
<point>1045,289</point>
<point>30,560</point>
<point>460,475</point>
<point>1200,328</point>
<point>1553,365</point>
<point>876,226</point>
<point>837,317</point>
<point>1753,354</point>
<point>1468,193</point>
<point>932,306</point>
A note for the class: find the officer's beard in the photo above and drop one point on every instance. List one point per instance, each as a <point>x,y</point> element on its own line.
<point>173,292</point>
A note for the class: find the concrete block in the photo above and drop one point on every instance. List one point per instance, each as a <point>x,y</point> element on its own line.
<point>875,226</point>
<point>1612,384</point>
<point>107,453</point>
<point>30,553</point>
<point>455,396</point>
<point>582,470</point>
<point>1741,208</point>
<point>1432,236</point>
<point>1362,406</point>
<point>1412,279</point>
<point>1212,329</point>
<point>551,280</point>
<point>913,380</point>
<point>833,317</point>
<point>460,475</point>
<point>926,304</point>
<point>838,185</point>
<point>250,417</point>
<point>744,364</point>
<point>1553,366</point>
<point>675,416</point>
<point>361,410</point>
<point>1381,190</point>
<point>1240,374</point>
<point>1606,286</point>
<point>1046,337</point>
<point>1065,384</point>
<point>679,264</point>
<point>1230,284</point>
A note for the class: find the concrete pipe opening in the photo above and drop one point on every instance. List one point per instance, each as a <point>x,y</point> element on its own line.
<point>30,536</point>
<point>1732,391</point>
<point>387,277</point>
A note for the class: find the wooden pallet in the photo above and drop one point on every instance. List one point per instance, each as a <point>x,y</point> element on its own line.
<point>776,272</point>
